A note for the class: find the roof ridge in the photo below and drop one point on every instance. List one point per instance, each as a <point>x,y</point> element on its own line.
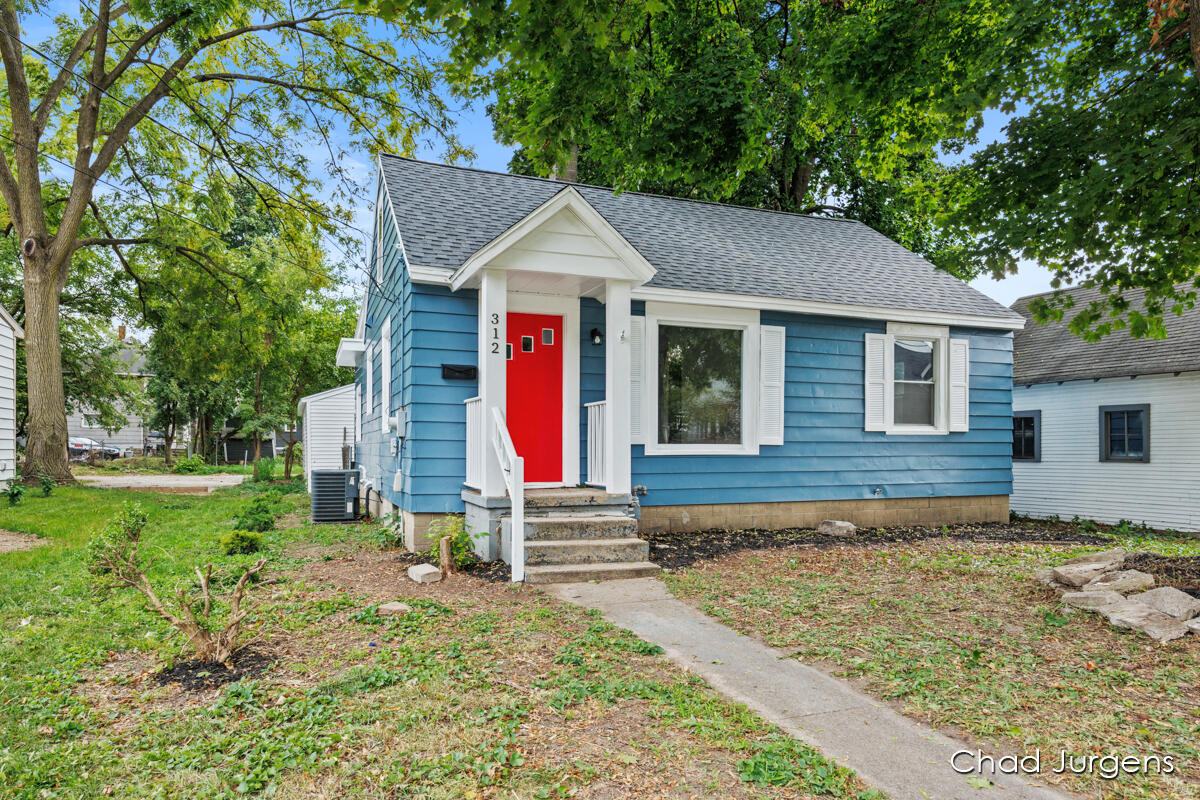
<point>616,192</point>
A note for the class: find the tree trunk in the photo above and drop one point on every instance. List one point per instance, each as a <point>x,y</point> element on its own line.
<point>288,456</point>
<point>1194,34</point>
<point>46,447</point>
<point>168,443</point>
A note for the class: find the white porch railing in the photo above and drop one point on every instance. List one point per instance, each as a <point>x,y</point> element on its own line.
<point>513,467</point>
<point>597,472</point>
<point>476,446</point>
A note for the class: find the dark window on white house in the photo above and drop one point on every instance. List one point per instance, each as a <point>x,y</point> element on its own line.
<point>1125,433</point>
<point>1027,436</point>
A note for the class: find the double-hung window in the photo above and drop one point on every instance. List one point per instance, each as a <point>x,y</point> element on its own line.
<point>916,380</point>
<point>1125,433</point>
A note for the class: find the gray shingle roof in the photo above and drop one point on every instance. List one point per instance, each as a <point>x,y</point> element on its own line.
<point>447,213</point>
<point>1050,352</point>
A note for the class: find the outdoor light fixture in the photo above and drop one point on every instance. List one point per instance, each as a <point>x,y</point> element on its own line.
<point>597,337</point>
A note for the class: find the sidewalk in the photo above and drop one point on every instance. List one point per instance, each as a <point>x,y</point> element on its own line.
<point>888,751</point>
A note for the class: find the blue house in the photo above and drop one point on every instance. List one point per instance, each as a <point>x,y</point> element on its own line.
<point>567,366</point>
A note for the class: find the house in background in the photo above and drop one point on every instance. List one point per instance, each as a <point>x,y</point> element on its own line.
<point>1107,430</point>
<point>10,332</point>
<point>695,364</point>
<point>131,438</point>
<point>328,420</point>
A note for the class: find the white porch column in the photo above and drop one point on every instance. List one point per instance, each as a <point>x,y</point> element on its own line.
<point>616,385</point>
<point>493,369</point>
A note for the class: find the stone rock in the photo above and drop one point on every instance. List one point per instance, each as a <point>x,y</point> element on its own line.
<point>1080,574</point>
<point>425,573</point>
<point>1193,625</point>
<point>394,608</point>
<point>1117,554</point>
<point>1045,576</point>
<point>833,527</point>
<point>1169,600</point>
<point>1141,617</point>
<point>1128,580</point>
<point>1092,601</point>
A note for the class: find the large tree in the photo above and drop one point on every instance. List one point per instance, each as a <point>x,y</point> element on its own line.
<point>809,105</point>
<point>147,100</point>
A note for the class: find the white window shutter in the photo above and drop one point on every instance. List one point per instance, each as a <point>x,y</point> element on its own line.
<point>960,384</point>
<point>875,382</point>
<point>772,357</point>
<point>385,368</point>
<point>637,377</point>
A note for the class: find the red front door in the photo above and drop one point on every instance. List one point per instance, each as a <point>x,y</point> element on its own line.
<point>535,391</point>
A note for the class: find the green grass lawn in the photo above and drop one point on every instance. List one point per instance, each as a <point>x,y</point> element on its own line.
<point>481,690</point>
<point>960,634</point>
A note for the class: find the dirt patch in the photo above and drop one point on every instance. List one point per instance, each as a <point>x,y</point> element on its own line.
<point>194,675</point>
<point>1182,572</point>
<point>12,542</point>
<point>678,550</point>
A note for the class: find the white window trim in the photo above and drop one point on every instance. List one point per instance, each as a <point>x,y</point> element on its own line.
<point>370,380</point>
<point>940,336</point>
<point>385,367</point>
<point>692,316</point>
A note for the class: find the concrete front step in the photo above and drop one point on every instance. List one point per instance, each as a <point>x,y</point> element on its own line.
<point>575,498</point>
<point>581,573</point>
<point>589,526</point>
<point>586,551</point>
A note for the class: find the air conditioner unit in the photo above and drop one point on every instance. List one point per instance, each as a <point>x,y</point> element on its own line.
<point>335,495</point>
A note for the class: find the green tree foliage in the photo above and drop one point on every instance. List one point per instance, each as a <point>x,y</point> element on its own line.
<point>129,113</point>
<point>817,107</point>
<point>1097,177</point>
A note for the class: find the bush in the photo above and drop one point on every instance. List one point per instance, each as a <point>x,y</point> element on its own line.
<point>191,465</point>
<point>388,534</point>
<point>47,484</point>
<point>114,557</point>
<point>257,516</point>
<point>15,489</point>
<point>238,543</point>
<point>462,552</point>
<point>264,469</point>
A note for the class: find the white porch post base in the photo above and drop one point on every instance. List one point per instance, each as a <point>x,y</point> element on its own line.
<point>616,386</point>
<point>493,368</point>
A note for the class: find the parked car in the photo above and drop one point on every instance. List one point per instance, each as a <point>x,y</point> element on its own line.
<point>78,447</point>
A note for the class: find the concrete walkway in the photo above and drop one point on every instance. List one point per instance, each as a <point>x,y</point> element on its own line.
<point>889,751</point>
<point>174,484</point>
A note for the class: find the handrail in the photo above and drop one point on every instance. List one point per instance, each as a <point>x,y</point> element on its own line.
<point>476,443</point>
<point>513,467</point>
<point>597,470</point>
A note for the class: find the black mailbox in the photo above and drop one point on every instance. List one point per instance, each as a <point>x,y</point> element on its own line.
<point>459,372</point>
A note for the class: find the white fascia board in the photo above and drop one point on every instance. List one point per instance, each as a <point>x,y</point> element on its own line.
<point>12,323</point>
<point>639,268</point>
<point>349,387</point>
<point>725,299</point>
<point>350,352</point>
<point>437,276</point>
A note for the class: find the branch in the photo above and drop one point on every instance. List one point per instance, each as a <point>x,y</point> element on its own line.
<point>67,71</point>
<point>130,56</point>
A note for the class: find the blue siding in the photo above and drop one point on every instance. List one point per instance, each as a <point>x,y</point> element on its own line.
<point>430,326</point>
<point>591,370</point>
<point>827,455</point>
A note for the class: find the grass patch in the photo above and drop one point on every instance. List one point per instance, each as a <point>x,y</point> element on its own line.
<point>481,690</point>
<point>960,635</point>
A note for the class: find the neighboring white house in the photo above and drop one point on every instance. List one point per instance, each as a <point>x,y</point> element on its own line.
<point>328,422</point>
<point>132,437</point>
<point>1109,430</point>
<point>10,331</point>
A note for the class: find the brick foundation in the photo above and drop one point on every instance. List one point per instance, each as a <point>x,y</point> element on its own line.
<point>875,513</point>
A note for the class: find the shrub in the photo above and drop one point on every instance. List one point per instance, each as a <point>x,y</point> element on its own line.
<point>256,516</point>
<point>462,552</point>
<point>15,489</point>
<point>189,466</point>
<point>237,543</point>
<point>264,469</point>
<point>47,484</point>
<point>388,533</point>
<point>114,557</point>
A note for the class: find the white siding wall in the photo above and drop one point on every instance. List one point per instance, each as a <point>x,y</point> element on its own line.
<point>326,416</point>
<point>1071,480</point>
<point>8,401</point>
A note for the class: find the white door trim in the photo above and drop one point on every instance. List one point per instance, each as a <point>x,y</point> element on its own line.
<point>567,307</point>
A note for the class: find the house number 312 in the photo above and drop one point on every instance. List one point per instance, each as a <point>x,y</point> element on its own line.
<point>495,333</point>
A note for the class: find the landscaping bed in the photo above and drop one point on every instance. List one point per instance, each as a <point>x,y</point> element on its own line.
<point>958,633</point>
<point>481,689</point>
